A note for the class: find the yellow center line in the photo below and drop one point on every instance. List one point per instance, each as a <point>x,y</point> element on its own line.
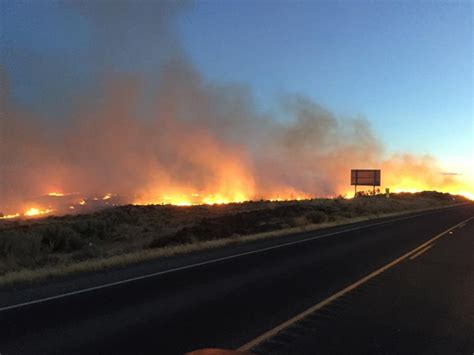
<point>272,332</point>
<point>421,252</point>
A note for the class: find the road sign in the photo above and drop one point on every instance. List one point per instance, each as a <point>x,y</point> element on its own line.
<point>365,177</point>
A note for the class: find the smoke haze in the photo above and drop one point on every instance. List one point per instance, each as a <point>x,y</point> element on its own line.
<point>163,134</point>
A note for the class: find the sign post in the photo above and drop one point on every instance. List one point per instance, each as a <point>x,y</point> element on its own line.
<point>365,177</point>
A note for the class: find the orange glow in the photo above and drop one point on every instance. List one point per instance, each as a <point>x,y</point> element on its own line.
<point>198,143</point>
<point>188,198</point>
<point>194,199</point>
<point>57,194</point>
<point>33,212</point>
<point>9,216</point>
<point>466,194</point>
<point>408,184</point>
<point>214,199</point>
<point>232,181</point>
<point>219,199</point>
<point>227,195</point>
<point>289,198</point>
<point>287,194</point>
<point>411,184</point>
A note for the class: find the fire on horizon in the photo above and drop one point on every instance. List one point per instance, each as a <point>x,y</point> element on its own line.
<point>145,125</point>
<point>58,203</point>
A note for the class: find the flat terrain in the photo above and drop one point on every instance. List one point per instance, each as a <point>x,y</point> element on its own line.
<point>59,245</point>
<point>422,305</point>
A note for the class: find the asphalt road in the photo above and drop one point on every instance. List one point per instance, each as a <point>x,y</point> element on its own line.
<point>424,305</point>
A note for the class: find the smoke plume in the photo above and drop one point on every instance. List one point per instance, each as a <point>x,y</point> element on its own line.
<point>164,134</point>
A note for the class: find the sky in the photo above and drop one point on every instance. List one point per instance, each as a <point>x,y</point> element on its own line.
<point>405,66</point>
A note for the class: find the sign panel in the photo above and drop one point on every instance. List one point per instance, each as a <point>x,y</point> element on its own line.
<point>365,177</point>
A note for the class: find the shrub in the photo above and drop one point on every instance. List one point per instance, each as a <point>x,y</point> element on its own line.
<point>90,251</point>
<point>127,231</point>
<point>123,214</point>
<point>161,242</point>
<point>298,221</point>
<point>22,249</point>
<point>317,217</point>
<point>61,239</point>
<point>93,228</point>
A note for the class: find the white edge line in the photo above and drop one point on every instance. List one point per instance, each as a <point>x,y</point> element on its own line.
<point>94,288</point>
<point>279,328</point>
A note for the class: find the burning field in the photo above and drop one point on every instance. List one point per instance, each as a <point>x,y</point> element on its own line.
<point>117,158</point>
<point>200,144</point>
<point>125,234</point>
<point>161,133</point>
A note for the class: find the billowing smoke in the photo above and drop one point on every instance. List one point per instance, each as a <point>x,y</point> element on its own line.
<point>166,135</point>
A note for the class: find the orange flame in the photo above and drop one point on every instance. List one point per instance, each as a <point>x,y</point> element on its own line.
<point>10,216</point>
<point>34,212</point>
<point>57,194</point>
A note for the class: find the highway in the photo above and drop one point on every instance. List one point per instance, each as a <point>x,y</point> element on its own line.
<point>397,285</point>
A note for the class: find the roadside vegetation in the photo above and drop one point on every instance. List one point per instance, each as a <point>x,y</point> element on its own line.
<point>126,234</point>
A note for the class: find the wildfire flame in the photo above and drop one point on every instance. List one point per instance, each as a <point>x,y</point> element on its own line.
<point>10,216</point>
<point>198,143</point>
<point>34,212</point>
<point>182,199</point>
<point>57,194</point>
<point>412,185</point>
<point>194,199</point>
<point>212,199</point>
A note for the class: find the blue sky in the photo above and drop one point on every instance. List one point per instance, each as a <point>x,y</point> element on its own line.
<point>406,66</point>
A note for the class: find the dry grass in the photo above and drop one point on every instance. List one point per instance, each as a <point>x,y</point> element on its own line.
<point>96,263</point>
